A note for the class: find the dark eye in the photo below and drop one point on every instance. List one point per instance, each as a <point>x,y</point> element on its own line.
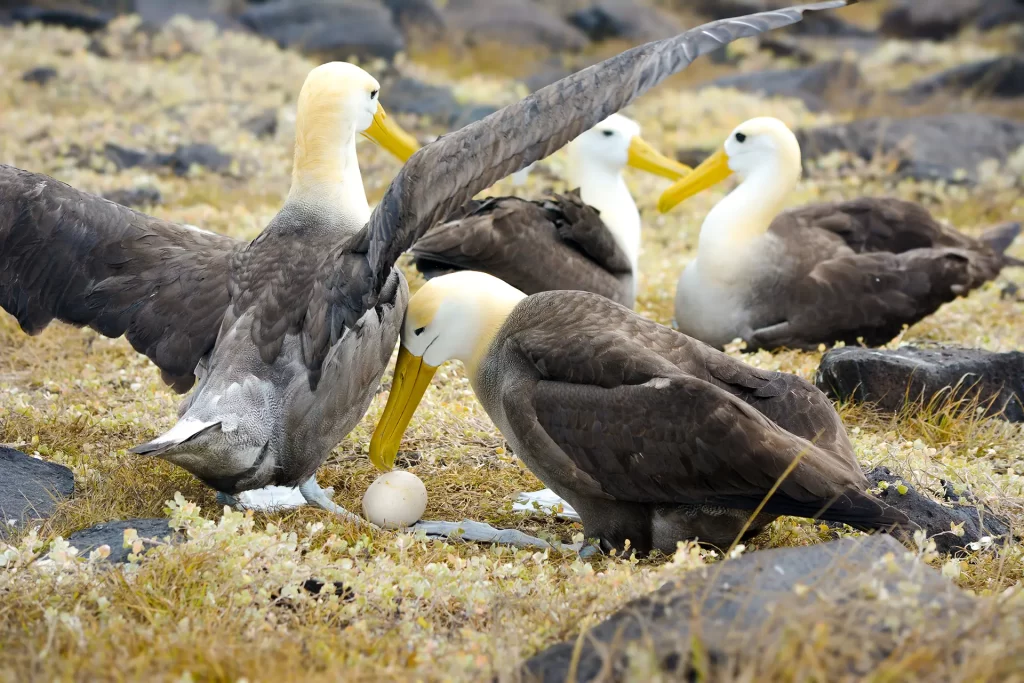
<point>373,94</point>
<point>740,137</point>
<point>608,133</point>
<point>418,331</point>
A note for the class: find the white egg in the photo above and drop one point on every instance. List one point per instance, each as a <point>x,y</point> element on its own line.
<point>395,499</point>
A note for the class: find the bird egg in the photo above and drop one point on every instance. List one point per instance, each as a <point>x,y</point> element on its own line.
<point>395,499</point>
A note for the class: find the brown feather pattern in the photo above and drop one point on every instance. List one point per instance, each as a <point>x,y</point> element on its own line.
<point>72,256</point>
<point>628,410</point>
<point>862,269</point>
<point>535,246</point>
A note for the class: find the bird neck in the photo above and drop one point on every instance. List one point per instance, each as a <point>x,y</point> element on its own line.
<point>732,229</point>
<point>605,189</point>
<point>489,319</point>
<point>325,173</point>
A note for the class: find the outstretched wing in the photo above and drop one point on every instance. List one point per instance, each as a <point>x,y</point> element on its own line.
<point>535,246</point>
<point>72,256</point>
<point>451,170</point>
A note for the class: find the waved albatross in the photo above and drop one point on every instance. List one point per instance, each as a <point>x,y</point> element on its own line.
<point>653,437</point>
<point>289,334</point>
<point>587,239</point>
<point>817,274</point>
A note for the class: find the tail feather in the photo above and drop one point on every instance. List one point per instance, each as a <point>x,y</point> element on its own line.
<point>858,509</point>
<point>1001,237</point>
<point>183,432</point>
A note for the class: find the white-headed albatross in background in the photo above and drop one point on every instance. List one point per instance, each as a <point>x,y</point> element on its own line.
<point>817,274</point>
<point>587,239</point>
<point>289,334</point>
<point>653,437</point>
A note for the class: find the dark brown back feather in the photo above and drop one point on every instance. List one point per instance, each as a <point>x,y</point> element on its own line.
<point>535,246</point>
<point>649,415</point>
<point>72,256</point>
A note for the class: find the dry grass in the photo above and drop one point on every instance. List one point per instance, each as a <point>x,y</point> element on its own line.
<point>229,604</point>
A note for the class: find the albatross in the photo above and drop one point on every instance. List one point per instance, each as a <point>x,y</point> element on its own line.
<point>587,239</point>
<point>847,271</point>
<point>289,334</point>
<point>651,436</point>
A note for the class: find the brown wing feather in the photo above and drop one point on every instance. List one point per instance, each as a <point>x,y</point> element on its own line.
<point>578,340</point>
<point>874,224</point>
<point>870,296</point>
<point>445,174</point>
<point>72,256</point>
<point>535,246</point>
<point>623,420</point>
<point>609,345</point>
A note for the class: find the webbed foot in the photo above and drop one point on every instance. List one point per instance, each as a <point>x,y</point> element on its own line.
<point>480,532</point>
<point>321,498</point>
<point>227,499</point>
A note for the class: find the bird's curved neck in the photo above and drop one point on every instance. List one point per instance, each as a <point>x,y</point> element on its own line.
<point>605,189</point>
<point>325,173</point>
<point>489,319</point>
<point>732,228</point>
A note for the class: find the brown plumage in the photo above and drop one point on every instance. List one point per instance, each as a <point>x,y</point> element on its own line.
<point>653,437</point>
<point>535,246</point>
<point>289,334</point>
<point>588,239</point>
<point>845,271</point>
<point>862,269</point>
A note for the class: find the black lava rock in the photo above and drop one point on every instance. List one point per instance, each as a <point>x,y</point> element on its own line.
<point>179,161</point>
<point>263,124</point>
<point>512,23</point>
<point>330,30</point>
<point>144,195</point>
<point>1002,77</point>
<point>629,20</point>
<point>960,379</point>
<point>813,84</point>
<point>730,616</point>
<point>80,18</point>
<point>30,489</point>
<point>201,154</point>
<point>112,534</point>
<point>944,19</point>
<point>936,518</point>
<point>41,75</point>
<point>939,147</point>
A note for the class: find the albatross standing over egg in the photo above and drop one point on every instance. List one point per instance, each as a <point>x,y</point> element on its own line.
<point>820,273</point>
<point>289,334</point>
<point>653,437</point>
<point>588,239</point>
<point>279,387</point>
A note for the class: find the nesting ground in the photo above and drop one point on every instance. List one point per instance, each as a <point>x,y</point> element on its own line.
<point>230,603</point>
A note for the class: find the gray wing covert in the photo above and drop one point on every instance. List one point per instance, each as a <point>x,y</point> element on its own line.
<point>74,257</point>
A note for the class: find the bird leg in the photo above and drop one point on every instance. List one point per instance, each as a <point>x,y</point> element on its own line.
<point>320,498</point>
<point>480,532</point>
<point>227,499</point>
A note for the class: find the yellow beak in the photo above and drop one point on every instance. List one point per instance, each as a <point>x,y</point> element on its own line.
<point>390,136</point>
<point>646,158</point>
<point>712,171</point>
<point>412,377</point>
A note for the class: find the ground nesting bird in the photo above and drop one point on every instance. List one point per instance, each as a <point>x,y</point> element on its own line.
<point>653,437</point>
<point>848,271</point>
<point>587,239</point>
<point>289,334</point>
